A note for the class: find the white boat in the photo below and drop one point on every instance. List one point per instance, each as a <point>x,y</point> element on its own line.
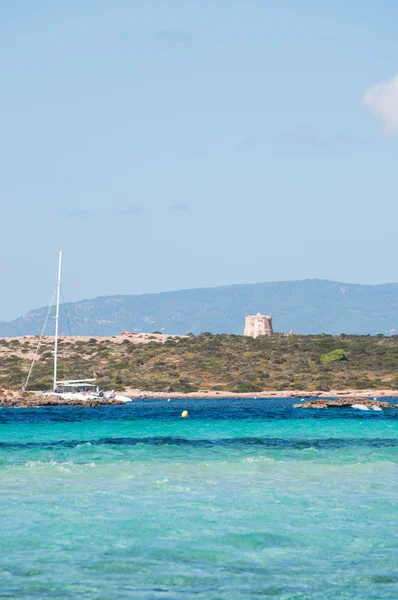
<point>73,389</point>
<point>84,389</point>
<point>375,407</point>
<point>360,406</point>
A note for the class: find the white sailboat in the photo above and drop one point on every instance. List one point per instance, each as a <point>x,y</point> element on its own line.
<point>72,389</point>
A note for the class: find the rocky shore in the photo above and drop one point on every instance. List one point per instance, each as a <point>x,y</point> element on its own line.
<point>17,399</point>
<point>316,399</point>
<point>344,403</point>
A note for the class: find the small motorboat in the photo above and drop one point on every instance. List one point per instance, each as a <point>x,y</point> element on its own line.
<point>375,407</point>
<point>360,406</point>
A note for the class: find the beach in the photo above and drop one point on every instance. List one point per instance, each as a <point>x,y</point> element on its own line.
<point>26,399</point>
<point>352,393</point>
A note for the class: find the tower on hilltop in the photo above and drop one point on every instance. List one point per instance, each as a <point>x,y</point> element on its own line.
<point>258,325</point>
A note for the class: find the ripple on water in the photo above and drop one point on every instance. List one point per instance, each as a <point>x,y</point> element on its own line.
<point>257,502</point>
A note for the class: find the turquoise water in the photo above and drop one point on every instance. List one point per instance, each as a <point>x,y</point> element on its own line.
<point>245,499</point>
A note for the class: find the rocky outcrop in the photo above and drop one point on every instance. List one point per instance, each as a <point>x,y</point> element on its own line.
<point>344,403</point>
<point>15,399</point>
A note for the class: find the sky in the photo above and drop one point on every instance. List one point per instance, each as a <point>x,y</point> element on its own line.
<point>168,144</point>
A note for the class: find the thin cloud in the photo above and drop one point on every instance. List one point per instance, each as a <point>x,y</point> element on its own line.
<point>175,36</point>
<point>129,211</point>
<point>345,137</point>
<point>74,213</point>
<point>179,207</point>
<point>382,100</point>
<point>307,136</point>
<point>248,140</point>
<point>304,136</point>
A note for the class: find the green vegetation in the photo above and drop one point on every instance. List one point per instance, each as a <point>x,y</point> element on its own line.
<point>213,362</point>
<point>333,356</point>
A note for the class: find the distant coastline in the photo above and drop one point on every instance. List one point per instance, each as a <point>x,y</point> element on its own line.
<point>311,306</point>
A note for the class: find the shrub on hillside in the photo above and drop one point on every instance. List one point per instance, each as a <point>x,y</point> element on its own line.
<point>333,356</point>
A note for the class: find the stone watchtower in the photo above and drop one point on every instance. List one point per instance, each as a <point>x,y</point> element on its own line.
<point>258,325</point>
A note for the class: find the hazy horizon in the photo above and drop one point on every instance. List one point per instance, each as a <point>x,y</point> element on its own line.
<point>199,288</point>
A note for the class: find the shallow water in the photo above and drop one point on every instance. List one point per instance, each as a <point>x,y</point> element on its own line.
<point>245,499</point>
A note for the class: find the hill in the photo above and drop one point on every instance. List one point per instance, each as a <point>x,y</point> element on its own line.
<point>308,307</point>
<point>206,362</point>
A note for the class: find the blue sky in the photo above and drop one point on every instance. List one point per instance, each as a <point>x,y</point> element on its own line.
<point>169,144</point>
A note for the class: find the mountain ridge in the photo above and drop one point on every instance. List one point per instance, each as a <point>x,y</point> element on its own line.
<point>308,306</point>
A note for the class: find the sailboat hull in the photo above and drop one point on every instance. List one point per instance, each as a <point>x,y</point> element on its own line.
<point>86,397</point>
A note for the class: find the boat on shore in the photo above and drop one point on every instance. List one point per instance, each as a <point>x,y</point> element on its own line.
<point>72,389</point>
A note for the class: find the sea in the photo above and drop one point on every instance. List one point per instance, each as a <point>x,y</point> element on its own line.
<point>244,499</point>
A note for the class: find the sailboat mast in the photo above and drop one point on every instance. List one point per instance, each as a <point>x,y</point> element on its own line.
<point>57,320</point>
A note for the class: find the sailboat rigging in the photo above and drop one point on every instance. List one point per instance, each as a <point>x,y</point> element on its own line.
<point>57,321</point>
<point>79,389</point>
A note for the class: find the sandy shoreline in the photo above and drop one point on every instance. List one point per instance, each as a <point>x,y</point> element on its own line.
<point>134,393</point>
<point>14,398</point>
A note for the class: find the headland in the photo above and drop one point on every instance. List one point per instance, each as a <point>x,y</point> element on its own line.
<point>209,366</point>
